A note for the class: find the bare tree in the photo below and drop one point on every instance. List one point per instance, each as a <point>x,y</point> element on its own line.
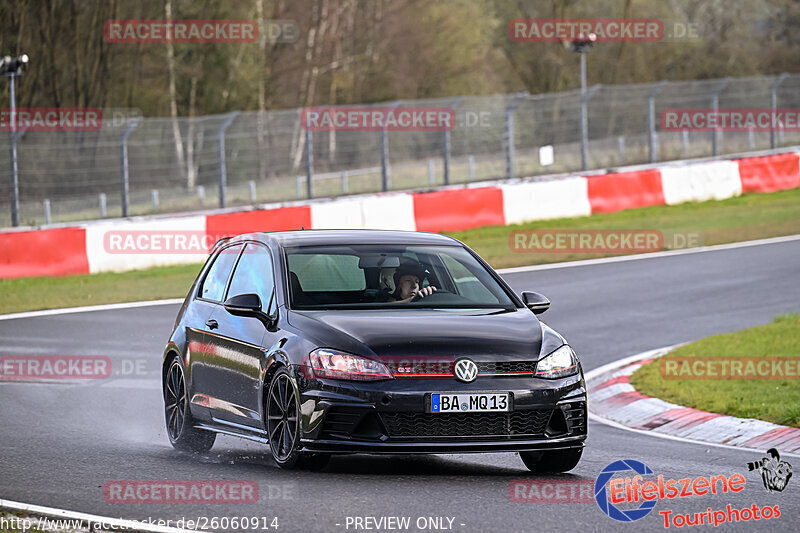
<point>173,106</point>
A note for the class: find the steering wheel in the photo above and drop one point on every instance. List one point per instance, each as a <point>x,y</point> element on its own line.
<point>433,296</point>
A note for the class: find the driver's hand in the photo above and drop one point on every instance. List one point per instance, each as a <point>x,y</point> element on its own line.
<point>427,291</point>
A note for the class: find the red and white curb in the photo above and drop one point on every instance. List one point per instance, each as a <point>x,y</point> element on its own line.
<point>614,401</point>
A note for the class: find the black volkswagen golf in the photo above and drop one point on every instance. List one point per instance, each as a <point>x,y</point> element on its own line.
<point>359,341</point>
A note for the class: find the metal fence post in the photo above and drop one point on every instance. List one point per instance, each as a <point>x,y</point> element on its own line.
<point>124,160</point>
<point>773,104</point>
<point>585,125</point>
<point>14,183</point>
<point>154,197</point>
<point>651,119</point>
<point>508,135</point>
<point>385,171</point>
<point>343,178</point>
<point>102,199</point>
<point>309,166</point>
<point>430,172</point>
<point>471,167</point>
<point>715,108</point>
<point>46,211</point>
<point>684,142</point>
<point>252,191</point>
<point>223,171</point>
<point>446,143</point>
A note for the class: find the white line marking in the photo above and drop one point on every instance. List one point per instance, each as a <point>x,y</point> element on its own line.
<point>89,308</point>
<point>653,255</point>
<point>129,525</point>
<point>646,355</point>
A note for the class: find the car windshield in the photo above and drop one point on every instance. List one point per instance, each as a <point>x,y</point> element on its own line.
<point>391,276</point>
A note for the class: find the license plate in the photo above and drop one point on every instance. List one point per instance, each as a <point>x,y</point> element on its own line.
<point>444,402</point>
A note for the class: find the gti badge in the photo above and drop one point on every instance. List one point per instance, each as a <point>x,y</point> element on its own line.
<point>466,370</point>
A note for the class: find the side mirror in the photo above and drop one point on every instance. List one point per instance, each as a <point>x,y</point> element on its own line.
<point>538,303</point>
<point>243,304</point>
<point>249,305</point>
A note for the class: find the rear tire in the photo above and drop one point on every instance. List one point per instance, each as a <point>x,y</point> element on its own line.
<point>180,424</point>
<point>552,461</point>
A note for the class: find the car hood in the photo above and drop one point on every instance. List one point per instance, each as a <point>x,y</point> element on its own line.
<point>485,334</point>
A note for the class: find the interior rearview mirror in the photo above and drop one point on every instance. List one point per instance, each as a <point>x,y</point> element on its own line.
<point>538,303</point>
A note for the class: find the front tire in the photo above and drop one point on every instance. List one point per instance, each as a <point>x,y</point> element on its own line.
<point>282,409</point>
<point>180,425</point>
<point>552,461</point>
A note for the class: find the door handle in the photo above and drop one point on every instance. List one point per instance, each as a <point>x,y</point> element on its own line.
<point>212,324</point>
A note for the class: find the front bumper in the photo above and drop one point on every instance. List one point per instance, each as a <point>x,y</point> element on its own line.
<point>390,416</point>
<point>338,446</point>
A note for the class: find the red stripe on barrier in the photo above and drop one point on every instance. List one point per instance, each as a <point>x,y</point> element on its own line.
<point>283,218</point>
<point>457,209</point>
<point>47,252</point>
<point>770,173</point>
<point>625,190</point>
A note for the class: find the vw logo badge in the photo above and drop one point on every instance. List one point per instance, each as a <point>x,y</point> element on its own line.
<point>466,370</point>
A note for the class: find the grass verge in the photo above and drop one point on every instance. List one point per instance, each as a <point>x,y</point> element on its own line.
<point>747,217</point>
<point>27,294</point>
<point>776,401</point>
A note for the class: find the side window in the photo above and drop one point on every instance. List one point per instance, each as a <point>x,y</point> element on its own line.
<point>328,272</point>
<point>254,274</point>
<point>467,285</point>
<point>214,284</point>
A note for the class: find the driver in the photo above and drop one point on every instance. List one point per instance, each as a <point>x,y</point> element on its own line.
<point>408,280</point>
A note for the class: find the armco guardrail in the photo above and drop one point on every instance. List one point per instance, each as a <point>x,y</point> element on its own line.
<point>126,244</point>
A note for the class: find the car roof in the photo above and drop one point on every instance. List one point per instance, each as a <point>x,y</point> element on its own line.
<point>349,236</point>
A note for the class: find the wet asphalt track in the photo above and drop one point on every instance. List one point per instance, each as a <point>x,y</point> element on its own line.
<point>60,443</point>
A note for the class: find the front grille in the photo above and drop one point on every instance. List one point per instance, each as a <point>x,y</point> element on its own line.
<point>506,367</point>
<point>445,368</point>
<point>516,424</point>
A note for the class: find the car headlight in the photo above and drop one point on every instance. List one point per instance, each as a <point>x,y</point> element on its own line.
<point>559,364</point>
<point>333,364</point>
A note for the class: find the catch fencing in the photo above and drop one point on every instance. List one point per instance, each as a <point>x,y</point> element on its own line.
<point>134,165</point>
